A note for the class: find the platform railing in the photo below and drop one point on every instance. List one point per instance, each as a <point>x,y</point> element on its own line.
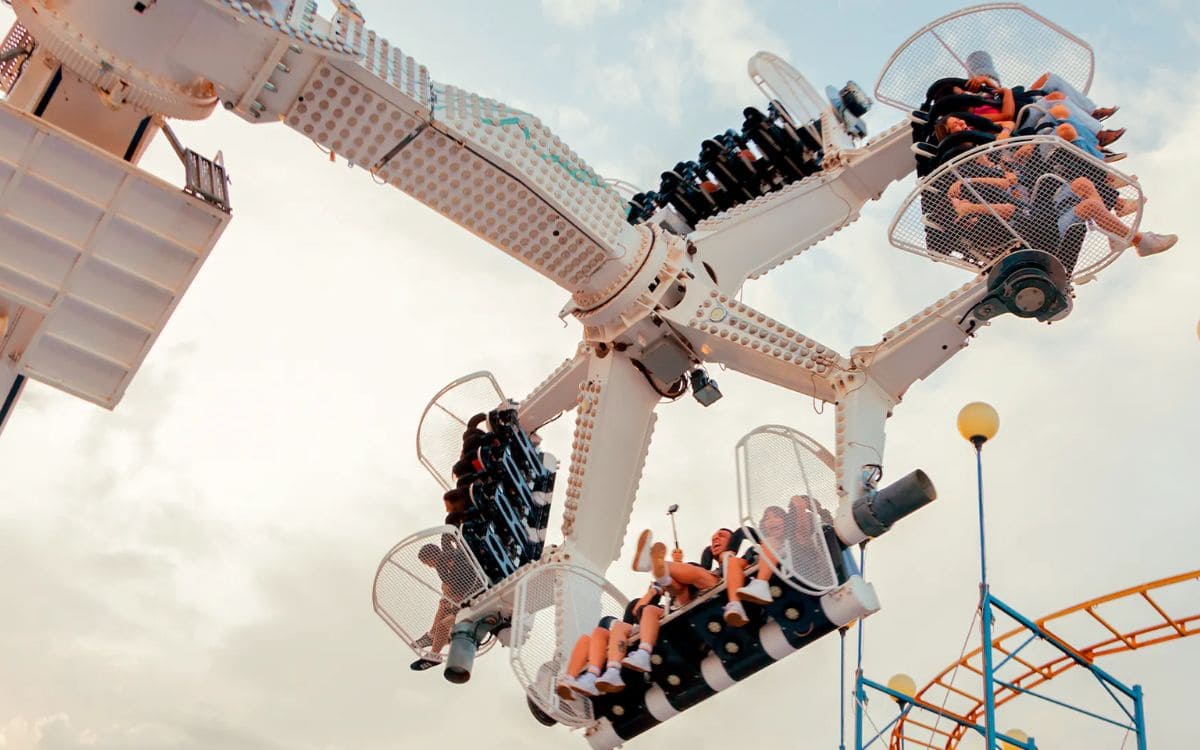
<point>440,431</point>
<point>1020,46</point>
<point>553,606</point>
<point>1037,192</point>
<point>786,486</point>
<point>421,584</point>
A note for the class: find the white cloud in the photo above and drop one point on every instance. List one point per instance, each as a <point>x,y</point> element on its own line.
<point>723,36</point>
<point>193,570</point>
<point>697,52</point>
<point>577,14</point>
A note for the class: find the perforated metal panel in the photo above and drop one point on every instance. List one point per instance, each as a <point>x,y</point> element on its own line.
<point>959,215</point>
<point>788,475</point>
<point>440,431</point>
<point>419,600</point>
<point>18,38</point>
<point>1023,46</point>
<point>100,249</point>
<point>554,605</point>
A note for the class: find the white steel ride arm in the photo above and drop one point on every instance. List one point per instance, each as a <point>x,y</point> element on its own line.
<point>750,239</point>
<point>498,172</point>
<point>555,394</point>
<point>613,424</point>
<point>721,329</point>
<point>916,347</point>
<point>883,373</point>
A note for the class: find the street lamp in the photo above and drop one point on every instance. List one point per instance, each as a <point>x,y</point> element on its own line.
<point>978,423</point>
<point>1016,734</point>
<point>903,684</point>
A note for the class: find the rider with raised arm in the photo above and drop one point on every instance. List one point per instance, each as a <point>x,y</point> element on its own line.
<point>685,580</point>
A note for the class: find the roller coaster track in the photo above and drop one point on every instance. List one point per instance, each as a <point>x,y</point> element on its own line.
<point>1155,624</point>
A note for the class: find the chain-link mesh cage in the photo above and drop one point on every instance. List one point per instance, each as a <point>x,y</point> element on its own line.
<point>554,606</point>
<point>440,431</point>
<point>1034,191</point>
<point>421,584</point>
<point>786,490</point>
<point>780,82</point>
<point>18,38</point>
<point>1023,46</point>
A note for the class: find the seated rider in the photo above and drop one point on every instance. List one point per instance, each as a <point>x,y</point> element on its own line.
<point>685,580</point>
<point>459,580</point>
<point>772,546</point>
<point>1088,205</point>
<point>1052,83</point>
<point>595,663</point>
<point>1079,201</point>
<point>782,536</point>
<point>1050,90</point>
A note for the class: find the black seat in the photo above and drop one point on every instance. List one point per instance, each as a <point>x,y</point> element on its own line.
<point>730,171</point>
<point>771,141</point>
<point>959,143</point>
<point>493,503</point>
<point>697,632</point>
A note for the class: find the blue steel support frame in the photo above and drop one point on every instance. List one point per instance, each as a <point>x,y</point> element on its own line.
<point>908,703</point>
<point>1139,718</point>
<point>985,597</point>
<point>988,728</point>
<point>860,696</point>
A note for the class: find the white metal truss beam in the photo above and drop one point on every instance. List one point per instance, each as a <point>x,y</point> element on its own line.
<point>494,170</point>
<point>911,351</point>
<point>613,425</point>
<point>94,255</point>
<point>557,393</point>
<point>721,329</point>
<point>750,239</point>
<point>917,347</point>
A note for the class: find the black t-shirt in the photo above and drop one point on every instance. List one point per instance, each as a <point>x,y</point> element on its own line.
<point>628,616</point>
<point>455,571</point>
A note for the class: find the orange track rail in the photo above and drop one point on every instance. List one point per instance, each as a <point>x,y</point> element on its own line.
<point>1159,626</point>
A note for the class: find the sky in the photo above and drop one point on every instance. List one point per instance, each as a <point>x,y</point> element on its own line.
<point>193,569</point>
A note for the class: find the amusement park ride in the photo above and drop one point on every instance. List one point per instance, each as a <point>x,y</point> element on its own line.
<point>95,253</point>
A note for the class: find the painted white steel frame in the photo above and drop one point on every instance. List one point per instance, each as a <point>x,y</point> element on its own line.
<point>94,254</point>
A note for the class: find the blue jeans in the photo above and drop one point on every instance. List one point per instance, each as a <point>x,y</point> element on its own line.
<point>1080,118</point>
<point>1055,82</point>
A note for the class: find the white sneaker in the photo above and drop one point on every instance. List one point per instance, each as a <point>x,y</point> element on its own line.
<point>610,681</point>
<point>541,499</point>
<point>566,688</point>
<point>1155,243</point>
<point>641,557</point>
<point>735,615</point>
<point>638,660</point>
<point>756,592</point>
<point>585,684</point>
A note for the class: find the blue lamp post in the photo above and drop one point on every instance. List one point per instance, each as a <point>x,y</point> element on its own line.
<point>978,422</point>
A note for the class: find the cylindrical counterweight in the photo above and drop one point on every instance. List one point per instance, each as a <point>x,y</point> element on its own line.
<point>876,513</point>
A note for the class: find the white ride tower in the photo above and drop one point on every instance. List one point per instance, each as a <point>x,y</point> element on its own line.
<point>95,253</point>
